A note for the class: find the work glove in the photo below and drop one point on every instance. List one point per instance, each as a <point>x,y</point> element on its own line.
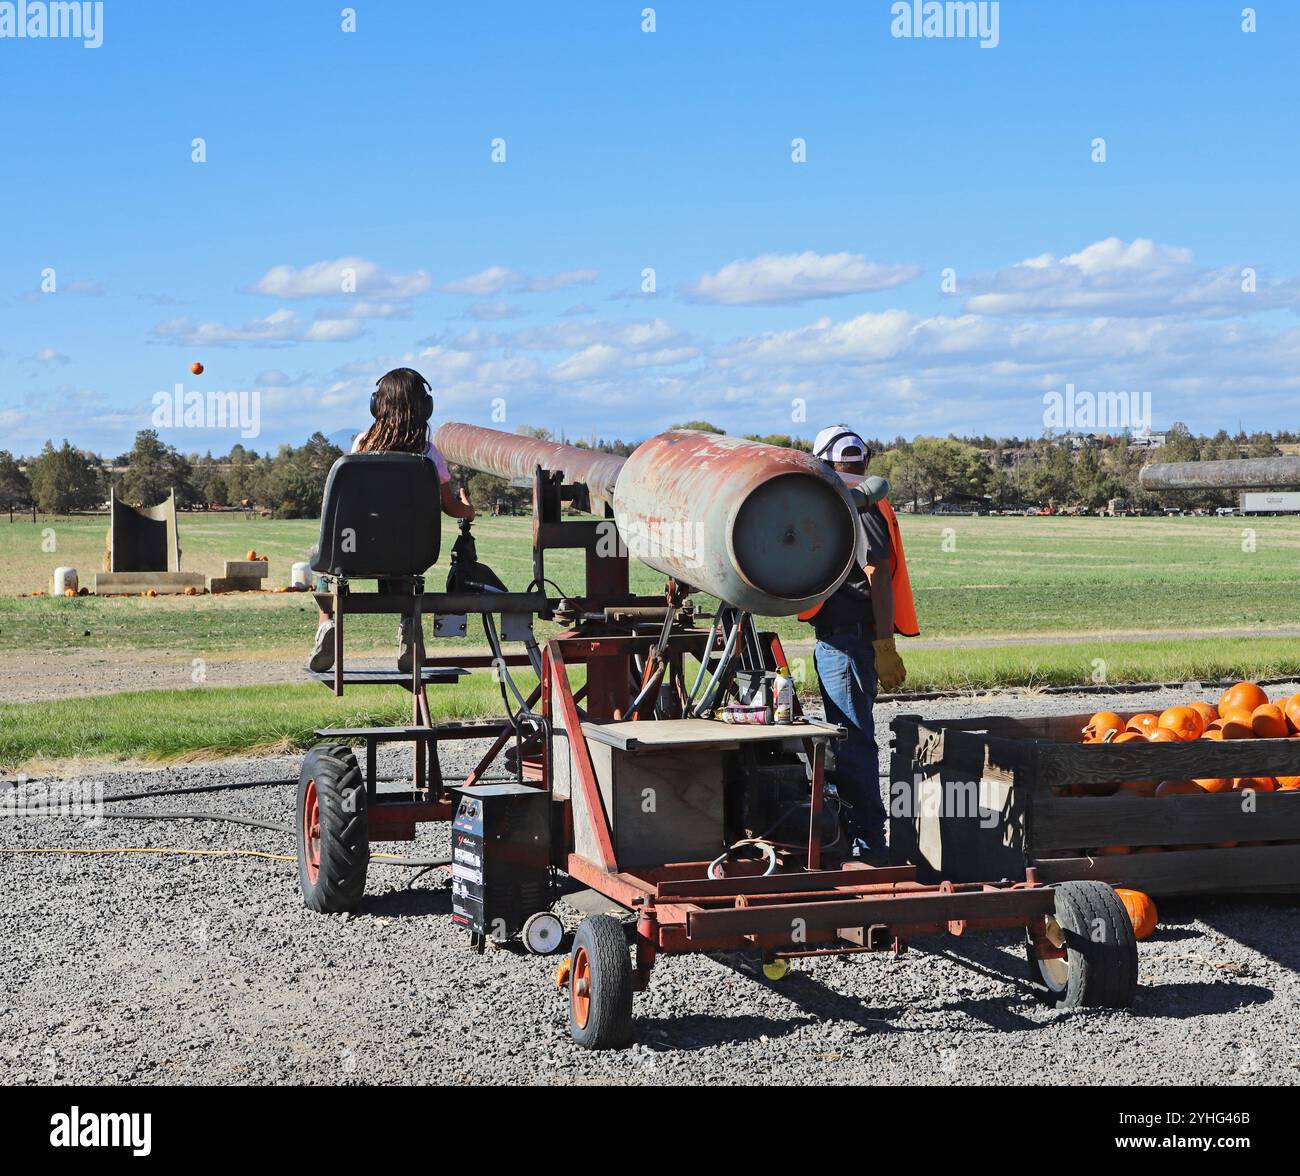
<point>890,671</point>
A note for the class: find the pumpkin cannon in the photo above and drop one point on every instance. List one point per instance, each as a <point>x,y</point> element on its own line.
<point>713,835</point>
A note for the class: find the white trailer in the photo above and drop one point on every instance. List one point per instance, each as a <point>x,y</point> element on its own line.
<point>1267,502</point>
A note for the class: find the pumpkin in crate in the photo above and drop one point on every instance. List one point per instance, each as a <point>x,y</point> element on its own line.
<point>1291,708</point>
<point>1288,783</point>
<point>1142,912</point>
<point>1243,696</point>
<point>1144,723</point>
<point>1129,737</point>
<point>1237,729</point>
<point>1184,722</point>
<point>1102,726</point>
<point>1179,788</point>
<point>1137,788</point>
<point>1269,722</point>
<point>1163,735</point>
<point>1207,712</point>
<point>1254,784</point>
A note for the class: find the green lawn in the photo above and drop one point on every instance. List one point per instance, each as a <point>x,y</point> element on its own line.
<point>1120,582</point>
<point>973,577</point>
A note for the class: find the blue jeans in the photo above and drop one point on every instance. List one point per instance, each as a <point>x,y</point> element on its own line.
<point>846,675</point>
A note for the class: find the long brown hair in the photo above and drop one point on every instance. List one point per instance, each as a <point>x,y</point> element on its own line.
<point>401,404</point>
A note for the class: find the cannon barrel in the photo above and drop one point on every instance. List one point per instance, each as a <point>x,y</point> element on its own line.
<point>767,529</point>
<point>1252,473</point>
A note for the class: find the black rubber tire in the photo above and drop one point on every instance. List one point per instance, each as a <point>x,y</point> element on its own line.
<point>1102,950</point>
<point>344,833</point>
<point>609,1019</point>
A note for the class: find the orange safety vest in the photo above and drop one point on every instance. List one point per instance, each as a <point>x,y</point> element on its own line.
<point>905,622</point>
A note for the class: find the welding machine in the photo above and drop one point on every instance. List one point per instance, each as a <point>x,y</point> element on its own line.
<point>500,864</point>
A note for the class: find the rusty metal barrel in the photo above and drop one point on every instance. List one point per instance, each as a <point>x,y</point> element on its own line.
<point>767,529</point>
<point>1248,473</point>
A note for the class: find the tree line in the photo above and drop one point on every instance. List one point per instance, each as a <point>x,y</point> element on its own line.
<point>926,470</point>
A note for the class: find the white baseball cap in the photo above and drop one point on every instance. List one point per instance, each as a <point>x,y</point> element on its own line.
<point>839,443</point>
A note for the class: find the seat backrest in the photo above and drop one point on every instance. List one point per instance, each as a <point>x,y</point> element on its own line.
<point>381,516</point>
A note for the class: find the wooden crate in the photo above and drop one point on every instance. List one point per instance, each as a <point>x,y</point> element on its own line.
<point>978,800</point>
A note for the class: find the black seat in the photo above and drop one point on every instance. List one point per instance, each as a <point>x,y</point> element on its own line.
<point>381,517</point>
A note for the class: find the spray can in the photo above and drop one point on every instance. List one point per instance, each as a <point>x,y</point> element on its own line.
<point>783,698</point>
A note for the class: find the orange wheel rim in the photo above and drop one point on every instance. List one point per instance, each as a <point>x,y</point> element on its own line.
<point>311,832</point>
<point>580,987</point>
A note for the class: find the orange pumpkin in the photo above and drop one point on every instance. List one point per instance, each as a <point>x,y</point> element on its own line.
<point>1243,696</point>
<point>1129,737</point>
<point>1287,783</point>
<point>1269,722</point>
<point>1291,708</point>
<point>1254,784</point>
<point>1142,912</point>
<point>196,368</point>
<point>1163,735</point>
<point>1214,783</point>
<point>1101,725</point>
<point>1179,788</point>
<point>251,554</point>
<point>1136,788</point>
<point>1144,723</point>
<point>1236,729</point>
<point>1208,712</point>
<point>1183,722</point>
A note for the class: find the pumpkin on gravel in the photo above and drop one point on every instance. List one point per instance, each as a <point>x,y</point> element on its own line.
<point>1144,723</point>
<point>1141,910</point>
<point>1269,722</point>
<point>1182,721</point>
<point>1243,696</point>
<point>1102,725</point>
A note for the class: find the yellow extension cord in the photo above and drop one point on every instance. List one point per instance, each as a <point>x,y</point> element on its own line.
<point>257,853</point>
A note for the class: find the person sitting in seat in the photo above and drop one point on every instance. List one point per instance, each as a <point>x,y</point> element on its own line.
<point>401,405</point>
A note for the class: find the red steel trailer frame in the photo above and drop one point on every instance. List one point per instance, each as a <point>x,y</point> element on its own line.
<point>802,909</point>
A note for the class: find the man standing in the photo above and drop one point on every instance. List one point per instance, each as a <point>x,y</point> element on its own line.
<point>855,653</point>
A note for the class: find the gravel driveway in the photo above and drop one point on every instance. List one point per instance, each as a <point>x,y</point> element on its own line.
<point>148,968</point>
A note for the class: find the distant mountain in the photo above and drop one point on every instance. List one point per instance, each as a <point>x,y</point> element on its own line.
<point>343,438</point>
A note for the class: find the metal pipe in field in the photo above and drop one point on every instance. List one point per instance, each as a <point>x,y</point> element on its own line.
<point>766,529</point>
<point>1250,473</point>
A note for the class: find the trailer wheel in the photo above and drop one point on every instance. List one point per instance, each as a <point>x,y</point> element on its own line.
<point>600,985</point>
<point>542,933</point>
<point>1100,967</point>
<point>332,835</point>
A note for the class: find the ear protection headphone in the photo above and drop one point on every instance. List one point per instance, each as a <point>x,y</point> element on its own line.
<point>426,401</point>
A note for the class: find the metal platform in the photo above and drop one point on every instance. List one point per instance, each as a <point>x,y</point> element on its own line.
<point>375,676</point>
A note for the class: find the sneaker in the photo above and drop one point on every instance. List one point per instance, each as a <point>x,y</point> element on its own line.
<point>322,652</point>
<point>864,854</point>
<point>406,649</point>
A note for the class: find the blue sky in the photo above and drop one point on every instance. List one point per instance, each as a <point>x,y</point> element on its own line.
<point>516,287</point>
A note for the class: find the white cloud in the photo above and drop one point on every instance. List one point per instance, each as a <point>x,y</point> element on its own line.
<point>1139,278</point>
<point>491,312</point>
<point>599,359</point>
<point>784,278</point>
<point>279,327</point>
<point>50,356</point>
<point>340,279</point>
<point>497,278</point>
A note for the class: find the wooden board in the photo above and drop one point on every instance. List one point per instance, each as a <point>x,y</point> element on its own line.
<point>638,734</point>
<point>133,583</point>
<point>250,568</point>
<point>1243,869</point>
<point>235,584</point>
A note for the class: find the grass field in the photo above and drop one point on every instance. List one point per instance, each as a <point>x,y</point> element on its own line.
<point>973,577</point>
<point>1139,595</point>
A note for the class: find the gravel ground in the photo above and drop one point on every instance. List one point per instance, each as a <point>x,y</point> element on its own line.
<point>187,969</point>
